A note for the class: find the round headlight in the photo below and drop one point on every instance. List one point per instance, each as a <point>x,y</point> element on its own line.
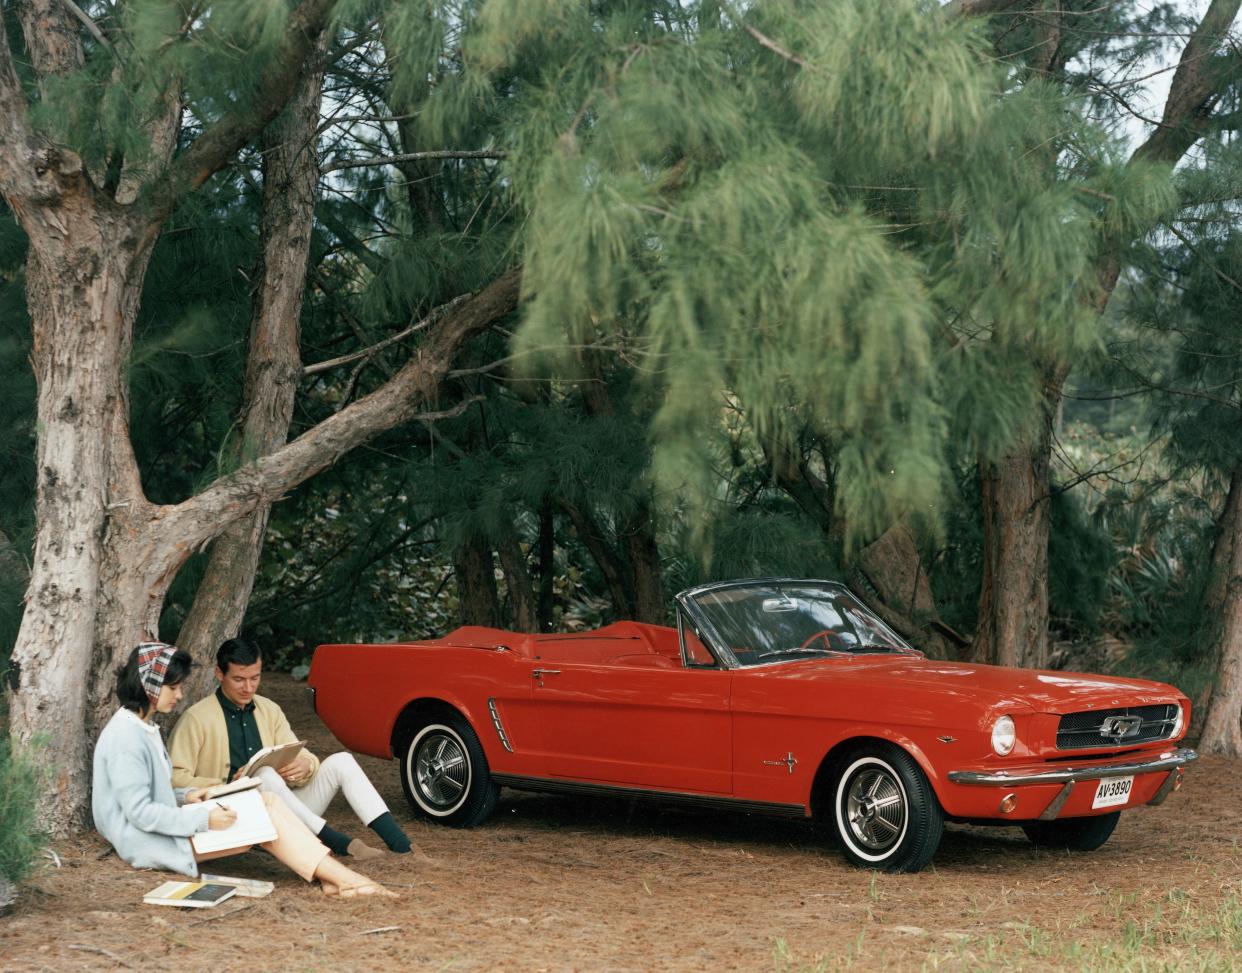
<point>1003,735</point>
<point>1178,721</point>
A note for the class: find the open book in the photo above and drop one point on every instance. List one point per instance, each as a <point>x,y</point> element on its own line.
<point>196,895</point>
<point>275,757</point>
<point>252,827</point>
<point>232,787</point>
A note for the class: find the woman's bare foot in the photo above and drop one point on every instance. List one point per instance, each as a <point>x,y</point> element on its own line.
<point>357,891</point>
<point>336,879</point>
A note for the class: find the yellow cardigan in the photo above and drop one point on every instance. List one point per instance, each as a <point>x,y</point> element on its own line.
<point>200,741</point>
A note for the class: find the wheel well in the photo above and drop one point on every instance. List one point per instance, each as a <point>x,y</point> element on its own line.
<point>416,714</point>
<point>826,775</point>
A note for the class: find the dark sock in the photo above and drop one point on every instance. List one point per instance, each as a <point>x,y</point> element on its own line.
<point>335,841</point>
<point>390,832</point>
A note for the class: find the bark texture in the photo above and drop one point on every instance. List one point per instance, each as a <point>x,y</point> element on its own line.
<point>477,598</point>
<point>518,583</point>
<point>1012,627</point>
<point>1222,726</point>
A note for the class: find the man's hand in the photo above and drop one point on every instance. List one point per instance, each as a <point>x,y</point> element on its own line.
<point>298,772</point>
<point>195,794</point>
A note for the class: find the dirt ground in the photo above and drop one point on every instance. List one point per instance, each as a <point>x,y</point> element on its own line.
<point>558,883</point>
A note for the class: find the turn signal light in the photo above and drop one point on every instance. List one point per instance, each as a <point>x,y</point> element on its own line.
<point>1008,803</point>
<point>1177,781</point>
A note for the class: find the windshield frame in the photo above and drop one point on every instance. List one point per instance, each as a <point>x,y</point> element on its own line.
<point>686,601</point>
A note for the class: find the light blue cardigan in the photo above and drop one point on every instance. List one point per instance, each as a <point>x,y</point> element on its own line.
<point>133,800</point>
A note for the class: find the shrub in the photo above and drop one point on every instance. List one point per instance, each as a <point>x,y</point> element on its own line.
<point>20,835</point>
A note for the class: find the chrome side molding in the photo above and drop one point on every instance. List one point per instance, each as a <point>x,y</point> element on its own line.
<point>500,727</point>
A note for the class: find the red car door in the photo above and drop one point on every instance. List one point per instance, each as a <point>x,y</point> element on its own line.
<point>666,729</point>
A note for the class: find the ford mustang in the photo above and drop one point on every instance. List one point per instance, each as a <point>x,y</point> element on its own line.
<point>776,696</point>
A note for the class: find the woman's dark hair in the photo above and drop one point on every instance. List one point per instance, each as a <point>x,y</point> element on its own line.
<point>239,651</point>
<point>129,688</point>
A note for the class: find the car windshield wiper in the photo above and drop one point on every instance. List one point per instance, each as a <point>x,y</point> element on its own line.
<point>798,651</point>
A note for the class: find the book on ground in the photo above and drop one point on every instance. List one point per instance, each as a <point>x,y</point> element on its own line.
<point>275,757</point>
<point>252,827</point>
<point>250,888</point>
<point>191,895</point>
<point>233,787</point>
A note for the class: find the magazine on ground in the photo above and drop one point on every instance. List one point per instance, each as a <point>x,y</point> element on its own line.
<point>190,895</point>
<point>250,888</point>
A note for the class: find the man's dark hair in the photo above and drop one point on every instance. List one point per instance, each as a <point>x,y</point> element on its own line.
<point>240,651</point>
<point>129,688</point>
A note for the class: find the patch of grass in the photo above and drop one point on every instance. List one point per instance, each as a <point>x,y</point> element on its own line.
<point>21,837</point>
<point>1178,931</point>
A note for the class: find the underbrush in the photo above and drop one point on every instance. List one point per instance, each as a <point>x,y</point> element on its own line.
<point>21,835</point>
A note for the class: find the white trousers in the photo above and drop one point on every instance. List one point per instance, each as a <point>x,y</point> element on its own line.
<point>339,772</point>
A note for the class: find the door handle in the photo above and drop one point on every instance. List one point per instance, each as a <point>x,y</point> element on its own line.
<point>540,673</point>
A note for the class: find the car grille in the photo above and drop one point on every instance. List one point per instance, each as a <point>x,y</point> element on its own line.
<point>1078,731</point>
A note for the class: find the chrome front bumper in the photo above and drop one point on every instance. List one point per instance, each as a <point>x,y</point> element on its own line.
<point>1069,776</point>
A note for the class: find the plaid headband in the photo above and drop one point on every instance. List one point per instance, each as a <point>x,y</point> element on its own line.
<point>153,659</point>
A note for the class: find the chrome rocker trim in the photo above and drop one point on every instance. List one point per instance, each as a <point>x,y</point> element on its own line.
<point>1170,761</point>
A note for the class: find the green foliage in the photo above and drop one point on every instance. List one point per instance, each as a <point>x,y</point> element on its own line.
<point>21,783</point>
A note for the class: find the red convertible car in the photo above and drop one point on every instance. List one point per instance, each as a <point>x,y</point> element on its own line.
<point>778,696</point>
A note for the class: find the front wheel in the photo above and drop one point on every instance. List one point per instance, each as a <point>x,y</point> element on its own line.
<point>1075,834</point>
<point>886,814</point>
<point>445,777</point>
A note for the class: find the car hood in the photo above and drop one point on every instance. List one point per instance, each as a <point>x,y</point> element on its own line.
<point>1040,690</point>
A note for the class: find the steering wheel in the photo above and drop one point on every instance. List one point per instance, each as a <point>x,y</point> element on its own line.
<point>832,641</point>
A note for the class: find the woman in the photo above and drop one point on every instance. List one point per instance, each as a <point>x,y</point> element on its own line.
<point>148,822</point>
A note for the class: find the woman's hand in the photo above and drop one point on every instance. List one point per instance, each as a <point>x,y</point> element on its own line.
<point>221,818</point>
<point>195,794</point>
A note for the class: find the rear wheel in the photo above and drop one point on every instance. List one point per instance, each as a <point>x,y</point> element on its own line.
<point>1076,834</point>
<point>445,776</point>
<point>886,814</point>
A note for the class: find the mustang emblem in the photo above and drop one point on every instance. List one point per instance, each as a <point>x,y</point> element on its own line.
<point>789,760</point>
<point>1121,727</point>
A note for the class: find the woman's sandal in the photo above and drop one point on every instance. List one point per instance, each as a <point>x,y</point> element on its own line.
<point>358,891</point>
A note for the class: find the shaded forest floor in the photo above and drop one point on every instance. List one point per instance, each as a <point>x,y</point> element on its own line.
<point>557,883</point>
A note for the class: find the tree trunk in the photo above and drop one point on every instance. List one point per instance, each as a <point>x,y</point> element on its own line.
<point>478,601</point>
<point>517,580</point>
<point>1222,727</point>
<point>273,369</point>
<point>547,565</point>
<point>82,278</point>
<point>606,559</point>
<point>637,535</point>
<point>1012,627</point>
<point>892,572</point>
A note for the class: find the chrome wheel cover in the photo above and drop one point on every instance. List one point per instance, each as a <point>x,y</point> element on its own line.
<point>875,808</point>
<point>441,770</point>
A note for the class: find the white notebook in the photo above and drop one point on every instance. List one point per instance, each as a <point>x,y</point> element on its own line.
<point>252,827</point>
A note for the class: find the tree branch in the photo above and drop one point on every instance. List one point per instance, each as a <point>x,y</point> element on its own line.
<point>979,8</point>
<point>89,24</point>
<point>1196,86</point>
<point>222,140</point>
<point>197,520</point>
<point>422,325</point>
<point>417,157</point>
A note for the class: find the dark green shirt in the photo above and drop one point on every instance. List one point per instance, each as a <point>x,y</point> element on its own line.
<point>244,740</point>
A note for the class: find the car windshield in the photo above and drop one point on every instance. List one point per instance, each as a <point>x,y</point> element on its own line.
<point>769,622</point>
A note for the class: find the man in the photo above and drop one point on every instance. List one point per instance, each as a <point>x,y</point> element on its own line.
<point>216,736</point>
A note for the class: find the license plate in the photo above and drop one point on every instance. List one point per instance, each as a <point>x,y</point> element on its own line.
<point>1113,791</point>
